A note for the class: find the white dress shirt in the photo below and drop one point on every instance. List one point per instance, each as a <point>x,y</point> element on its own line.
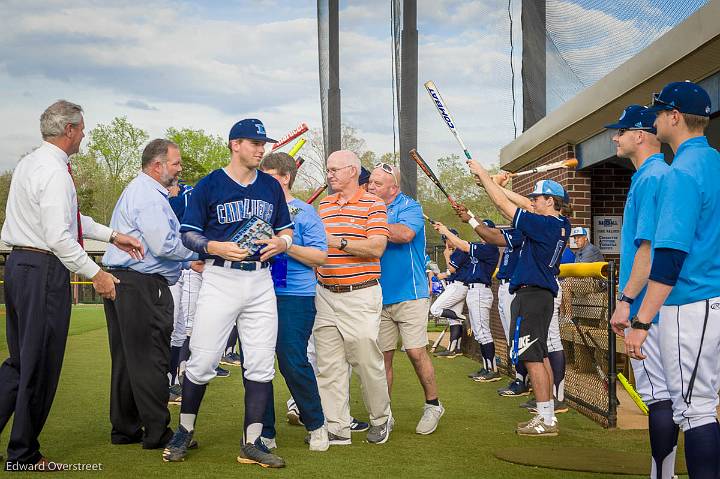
<point>143,211</point>
<point>42,210</point>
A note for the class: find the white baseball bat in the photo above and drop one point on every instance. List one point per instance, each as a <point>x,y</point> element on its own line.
<point>445,115</point>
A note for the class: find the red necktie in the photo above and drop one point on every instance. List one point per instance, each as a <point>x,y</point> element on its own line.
<point>79,222</point>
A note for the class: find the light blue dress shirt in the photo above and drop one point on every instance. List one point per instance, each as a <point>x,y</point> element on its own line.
<point>143,211</point>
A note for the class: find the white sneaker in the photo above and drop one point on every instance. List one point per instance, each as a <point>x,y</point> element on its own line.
<point>269,443</point>
<point>319,440</point>
<point>430,419</point>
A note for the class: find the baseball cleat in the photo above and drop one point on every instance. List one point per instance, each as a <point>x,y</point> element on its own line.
<point>175,394</point>
<point>269,442</point>
<point>380,434</point>
<point>232,359</point>
<point>430,419</point>
<point>293,417</point>
<point>177,448</point>
<point>488,377</point>
<point>257,453</point>
<point>538,427</point>
<point>516,388</point>
<point>358,426</point>
<point>221,373</point>
<point>477,374</point>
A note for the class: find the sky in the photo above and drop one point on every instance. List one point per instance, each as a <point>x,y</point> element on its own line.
<point>206,64</point>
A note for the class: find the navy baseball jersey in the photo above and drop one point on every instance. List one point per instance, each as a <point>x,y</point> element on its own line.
<point>219,206</point>
<point>483,260</point>
<point>545,240</point>
<point>460,261</point>
<point>513,244</point>
<point>179,203</point>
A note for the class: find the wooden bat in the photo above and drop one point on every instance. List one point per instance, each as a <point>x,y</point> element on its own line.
<point>302,128</point>
<point>445,115</point>
<point>567,164</point>
<point>296,147</point>
<point>633,394</point>
<point>316,194</point>
<point>439,338</point>
<point>429,173</point>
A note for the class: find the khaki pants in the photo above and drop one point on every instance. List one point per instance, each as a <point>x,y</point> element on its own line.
<point>346,330</point>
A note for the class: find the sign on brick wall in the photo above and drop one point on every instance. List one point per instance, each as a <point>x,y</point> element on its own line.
<point>606,233</point>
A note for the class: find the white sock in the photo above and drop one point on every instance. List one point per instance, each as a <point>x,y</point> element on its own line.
<point>188,421</point>
<point>253,432</point>
<point>547,410</point>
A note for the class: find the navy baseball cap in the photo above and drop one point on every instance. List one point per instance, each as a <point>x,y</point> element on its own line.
<point>364,176</point>
<point>683,96</point>
<point>549,188</point>
<point>250,129</point>
<point>635,117</point>
<point>489,223</point>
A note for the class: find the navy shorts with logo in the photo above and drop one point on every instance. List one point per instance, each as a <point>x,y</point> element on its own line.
<point>533,308</point>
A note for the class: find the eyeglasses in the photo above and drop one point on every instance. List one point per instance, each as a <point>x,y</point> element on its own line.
<point>333,171</point>
<point>389,169</point>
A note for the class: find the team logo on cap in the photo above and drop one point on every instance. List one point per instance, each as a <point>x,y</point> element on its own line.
<point>260,129</point>
<point>707,110</point>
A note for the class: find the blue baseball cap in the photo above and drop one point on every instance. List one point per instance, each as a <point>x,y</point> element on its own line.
<point>578,231</point>
<point>250,129</point>
<point>635,117</point>
<point>549,188</point>
<point>683,96</point>
<point>489,223</point>
<point>364,176</point>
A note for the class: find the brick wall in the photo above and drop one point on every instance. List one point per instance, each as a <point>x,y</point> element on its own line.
<point>577,184</point>
<point>610,184</point>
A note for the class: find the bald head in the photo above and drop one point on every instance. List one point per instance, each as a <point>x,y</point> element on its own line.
<point>343,171</point>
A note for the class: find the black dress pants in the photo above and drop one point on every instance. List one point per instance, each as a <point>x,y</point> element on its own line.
<point>140,321</point>
<point>37,302</point>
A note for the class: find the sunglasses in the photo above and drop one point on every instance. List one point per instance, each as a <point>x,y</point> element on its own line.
<point>656,101</point>
<point>621,131</point>
<point>389,169</point>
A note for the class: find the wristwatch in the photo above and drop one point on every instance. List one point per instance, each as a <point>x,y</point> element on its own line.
<point>113,236</point>
<point>626,298</point>
<point>635,323</point>
<point>343,244</point>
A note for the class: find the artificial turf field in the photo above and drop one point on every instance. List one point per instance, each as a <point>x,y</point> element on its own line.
<point>476,423</point>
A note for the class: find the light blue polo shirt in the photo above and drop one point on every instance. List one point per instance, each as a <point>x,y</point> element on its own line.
<point>640,218</point>
<point>402,266</point>
<point>688,220</point>
<point>309,231</point>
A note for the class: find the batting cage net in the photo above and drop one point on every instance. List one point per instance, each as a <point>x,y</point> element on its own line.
<point>587,39</point>
<point>588,343</point>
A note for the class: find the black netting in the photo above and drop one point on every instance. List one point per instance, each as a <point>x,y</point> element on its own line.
<point>587,39</point>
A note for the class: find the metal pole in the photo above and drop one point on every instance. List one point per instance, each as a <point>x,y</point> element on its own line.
<point>408,97</point>
<point>533,62</point>
<point>334,117</point>
<point>612,353</point>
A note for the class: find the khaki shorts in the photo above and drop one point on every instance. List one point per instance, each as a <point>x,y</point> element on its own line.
<point>407,320</point>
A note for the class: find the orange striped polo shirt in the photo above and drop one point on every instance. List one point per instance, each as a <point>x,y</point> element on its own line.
<point>362,216</point>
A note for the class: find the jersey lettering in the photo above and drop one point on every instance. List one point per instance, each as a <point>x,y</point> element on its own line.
<point>239,210</point>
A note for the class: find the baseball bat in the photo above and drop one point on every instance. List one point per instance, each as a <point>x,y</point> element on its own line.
<point>302,128</point>
<point>633,394</point>
<point>429,173</point>
<point>567,164</point>
<point>598,369</point>
<point>315,194</point>
<point>296,147</point>
<point>439,338</point>
<point>445,115</point>
<point>430,220</point>
<point>300,160</point>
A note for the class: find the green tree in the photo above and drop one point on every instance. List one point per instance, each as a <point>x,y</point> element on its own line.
<point>201,152</point>
<point>5,179</point>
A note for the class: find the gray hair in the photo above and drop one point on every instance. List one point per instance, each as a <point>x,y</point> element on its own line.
<point>57,116</point>
<point>156,149</point>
